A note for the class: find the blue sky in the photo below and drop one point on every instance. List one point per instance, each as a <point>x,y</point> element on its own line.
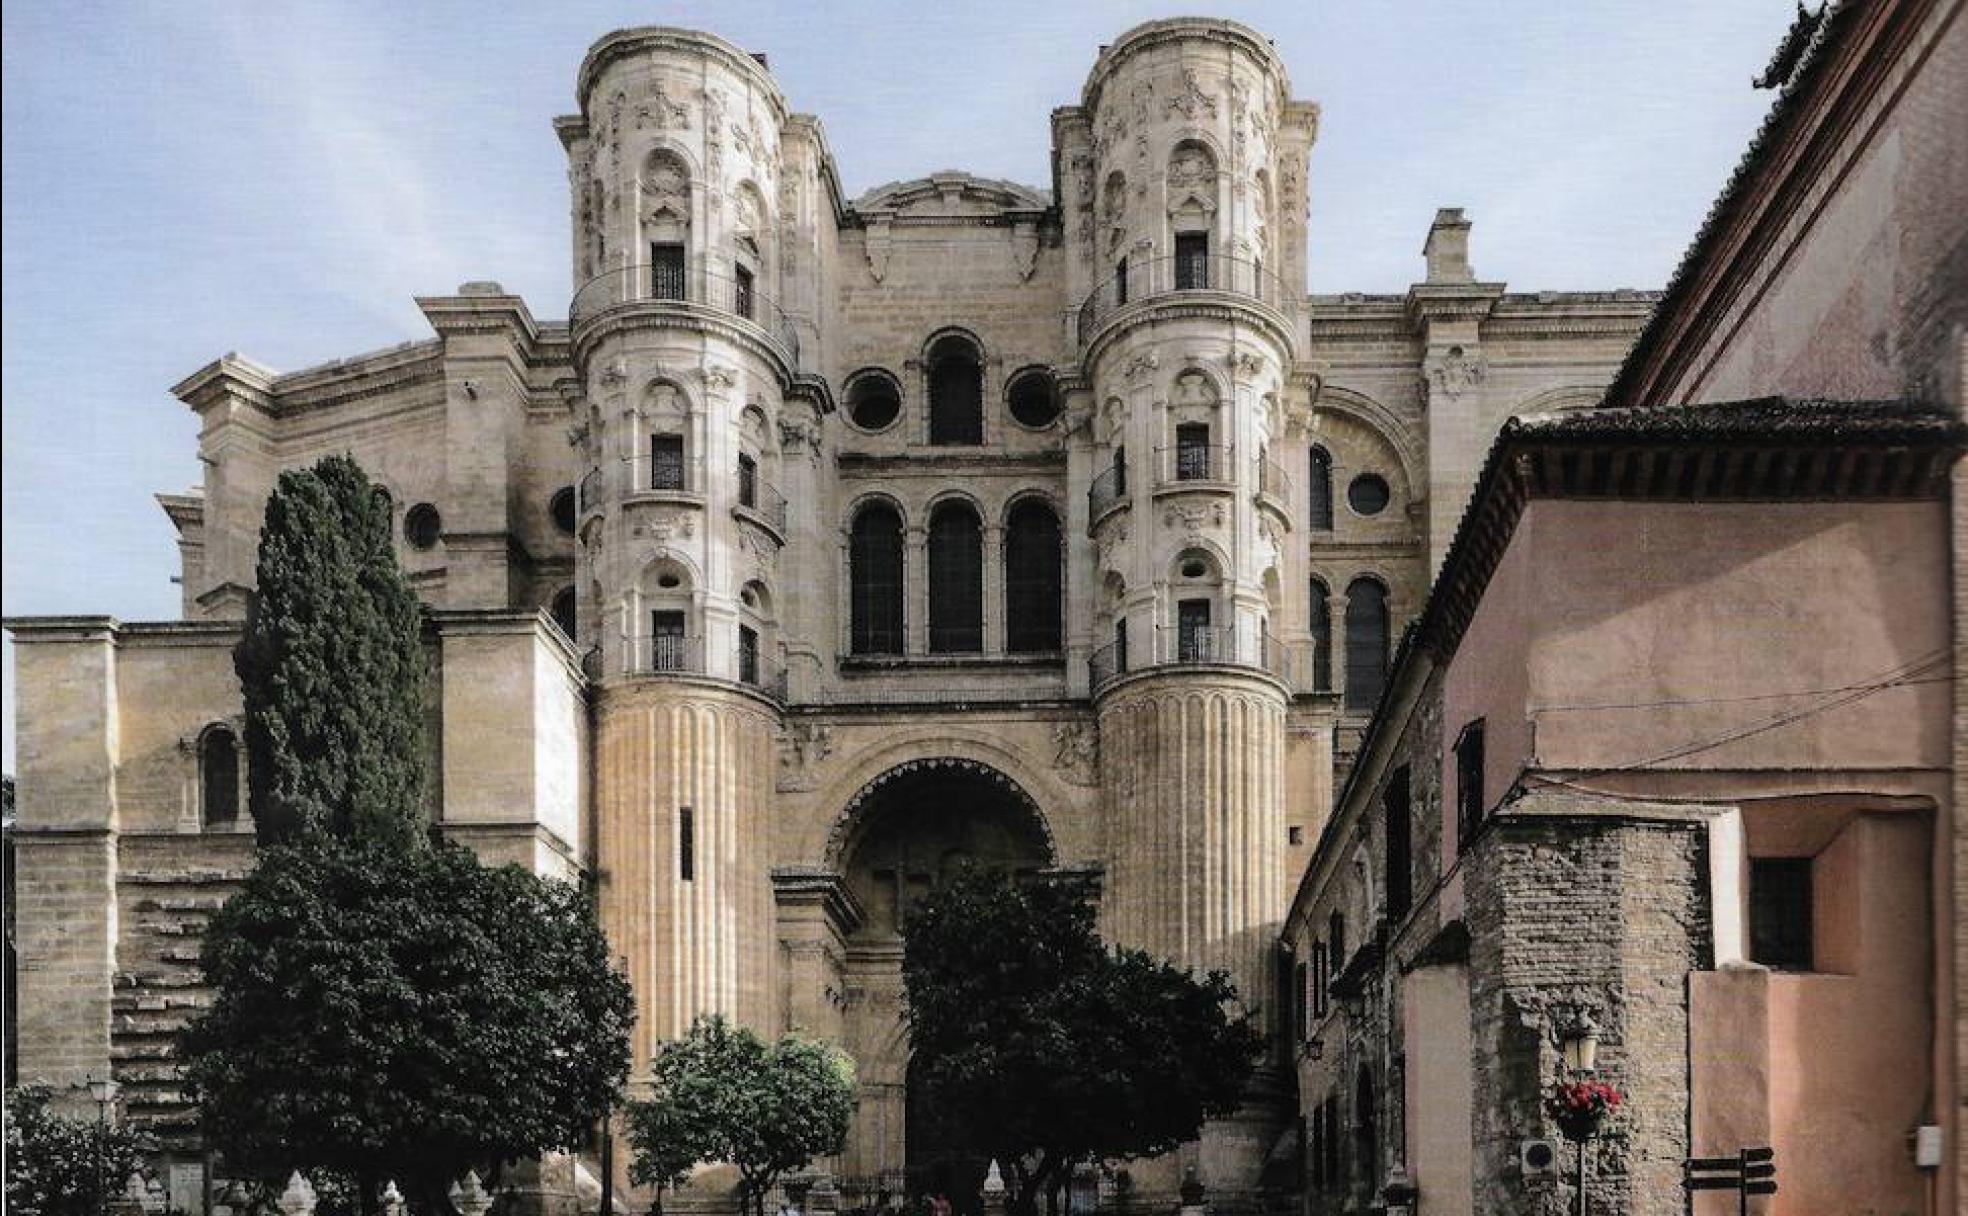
<point>182,179</point>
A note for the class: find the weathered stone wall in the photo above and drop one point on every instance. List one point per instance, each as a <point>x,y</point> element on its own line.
<point>1602,912</point>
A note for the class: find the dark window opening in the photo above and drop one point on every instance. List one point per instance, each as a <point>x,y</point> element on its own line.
<point>741,296</point>
<point>423,526</point>
<point>561,507</point>
<point>1336,941</point>
<point>1120,472</point>
<point>1321,976</point>
<point>667,641</point>
<point>1780,913</point>
<point>686,844</point>
<point>563,610</point>
<point>666,471</point>
<point>1368,494</point>
<point>1191,260</point>
<point>1366,1142</point>
<point>1120,282</point>
<point>1120,645</point>
<point>1320,620</point>
<point>1192,451</point>
<point>1192,631</point>
<point>666,271</point>
<point>875,580</point>
<point>748,654</point>
<point>1469,783</point>
<point>748,477</point>
<point>1318,495</point>
<point>956,393</point>
<point>1397,807</point>
<point>218,776</point>
<point>1033,400</point>
<point>872,401</point>
<point>1032,558</point>
<point>1366,644</point>
<point>956,581</point>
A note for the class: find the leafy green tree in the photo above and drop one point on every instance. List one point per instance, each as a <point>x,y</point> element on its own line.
<point>1046,1049</point>
<point>332,664</point>
<point>54,1161</point>
<point>722,1094</point>
<point>407,1014</point>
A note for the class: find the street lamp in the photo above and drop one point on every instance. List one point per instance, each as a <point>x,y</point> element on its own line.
<point>104,1092</point>
<point>1578,1041</point>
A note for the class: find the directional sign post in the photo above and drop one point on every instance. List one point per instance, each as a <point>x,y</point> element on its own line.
<point>1752,1171</point>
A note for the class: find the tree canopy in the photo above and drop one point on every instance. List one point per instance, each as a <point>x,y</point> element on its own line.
<point>386,1007</point>
<point>1047,1049</point>
<point>722,1094</point>
<point>332,664</point>
<point>60,1165</point>
<point>406,1014</point>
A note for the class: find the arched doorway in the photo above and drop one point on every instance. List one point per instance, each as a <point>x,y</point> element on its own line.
<point>906,830</point>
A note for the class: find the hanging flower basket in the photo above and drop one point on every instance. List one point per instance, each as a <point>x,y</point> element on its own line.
<point>1581,1108</point>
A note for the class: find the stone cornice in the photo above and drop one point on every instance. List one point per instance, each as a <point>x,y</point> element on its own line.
<point>1176,30</point>
<point>944,463</point>
<point>626,43</point>
<point>817,886</point>
<point>1430,302</point>
<point>232,377</point>
<point>481,309</point>
<point>1207,305</point>
<point>680,314</point>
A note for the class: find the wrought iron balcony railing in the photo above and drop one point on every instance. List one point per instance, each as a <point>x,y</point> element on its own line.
<point>1150,278</point>
<point>657,283</point>
<point>1180,645</point>
<point>665,654</point>
<point>1194,462</point>
<point>1272,480</point>
<point>1108,490</point>
<point>757,671</point>
<point>757,496</point>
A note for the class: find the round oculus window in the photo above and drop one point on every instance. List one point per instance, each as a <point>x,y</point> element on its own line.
<point>872,402</point>
<point>1033,401</point>
<point>1368,494</point>
<point>422,526</point>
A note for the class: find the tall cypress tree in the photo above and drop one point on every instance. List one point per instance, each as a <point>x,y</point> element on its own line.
<point>332,666</point>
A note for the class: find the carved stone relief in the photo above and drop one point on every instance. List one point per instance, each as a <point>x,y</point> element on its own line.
<point>1076,752</point>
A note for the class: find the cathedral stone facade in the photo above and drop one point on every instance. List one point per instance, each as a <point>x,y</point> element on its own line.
<point>827,542</point>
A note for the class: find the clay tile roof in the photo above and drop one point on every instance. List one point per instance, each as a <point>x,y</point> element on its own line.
<point>1813,420</point>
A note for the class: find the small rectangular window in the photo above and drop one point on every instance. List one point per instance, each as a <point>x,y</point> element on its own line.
<point>1780,913</point>
<point>1120,472</point>
<point>1120,282</point>
<point>1321,973</point>
<point>1399,831</point>
<point>668,648</point>
<point>748,474</point>
<point>666,469</point>
<point>666,271</point>
<point>1191,261</point>
<point>1192,632</point>
<point>686,844</point>
<point>748,655</point>
<point>1469,783</point>
<point>1192,452</point>
<point>742,295</point>
<point>1120,645</point>
<point>1295,835</point>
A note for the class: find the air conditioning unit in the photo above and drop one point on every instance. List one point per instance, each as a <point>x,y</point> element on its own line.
<point>1538,1158</point>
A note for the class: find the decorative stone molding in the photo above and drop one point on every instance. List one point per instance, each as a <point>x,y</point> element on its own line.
<point>1455,374</point>
<point>802,746</point>
<point>1190,100</point>
<point>1195,518</point>
<point>659,111</point>
<point>1076,752</point>
<point>1141,364</point>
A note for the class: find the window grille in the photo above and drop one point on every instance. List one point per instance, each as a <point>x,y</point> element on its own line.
<point>1192,636</point>
<point>1366,644</point>
<point>742,292</point>
<point>666,471</point>
<point>666,271</point>
<point>956,581</point>
<point>1192,452</point>
<point>1191,261</point>
<point>668,645</point>
<point>875,579</point>
<point>1032,579</point>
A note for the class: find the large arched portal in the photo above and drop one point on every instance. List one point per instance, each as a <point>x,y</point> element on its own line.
<point>906,831</point>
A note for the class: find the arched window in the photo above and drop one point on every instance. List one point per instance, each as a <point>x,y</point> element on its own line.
<point>1318,492</point>
<point>875,579</point>
<point>956,391</point>
<point>218,777</point>
<point>1366,643</point>
<point>1032,556</point>
<point>1320,622</point>
<point>563,611</point>
<point>956,580</point>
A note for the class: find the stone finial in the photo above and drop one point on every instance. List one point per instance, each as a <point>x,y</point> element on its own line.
<point>994,1183</point>
<point>392,1199</point>
<point>469,1197</point>
<point>298,1199</point>
<point>1447,248</point>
